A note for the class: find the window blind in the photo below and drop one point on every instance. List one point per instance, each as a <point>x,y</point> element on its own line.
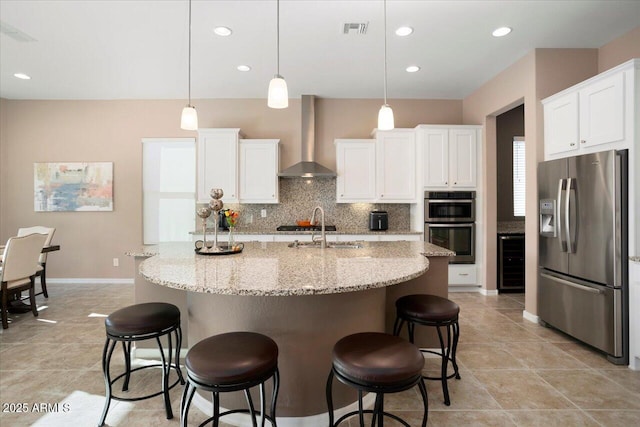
<point>518,176</point>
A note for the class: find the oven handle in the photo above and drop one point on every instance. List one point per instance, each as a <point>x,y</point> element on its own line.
<point>439,225</point>
<point>448,200</point>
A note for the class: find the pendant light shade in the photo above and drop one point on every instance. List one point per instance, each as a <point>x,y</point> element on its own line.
<point>189,118</point>
<point>385,118</point>
<point>385,115</point>
<point>278,96</point>
<point>278,93</point>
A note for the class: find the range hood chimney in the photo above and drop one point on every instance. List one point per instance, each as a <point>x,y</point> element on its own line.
<point>308,167</point>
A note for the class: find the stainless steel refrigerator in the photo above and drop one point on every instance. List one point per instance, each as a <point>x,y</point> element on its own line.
<point>583,276</point>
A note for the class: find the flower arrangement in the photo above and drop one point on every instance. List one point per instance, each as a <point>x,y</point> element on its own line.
<point>232,217</point>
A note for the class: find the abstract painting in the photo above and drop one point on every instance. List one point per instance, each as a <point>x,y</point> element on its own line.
<point>73,186</point>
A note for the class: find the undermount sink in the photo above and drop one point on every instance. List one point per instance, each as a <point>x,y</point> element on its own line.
<point>336,245</point>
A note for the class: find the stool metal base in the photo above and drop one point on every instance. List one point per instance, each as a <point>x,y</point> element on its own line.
<point>166,365</point>
<point>448,353</point>
<point>378,408</point>
<point>193,385</point>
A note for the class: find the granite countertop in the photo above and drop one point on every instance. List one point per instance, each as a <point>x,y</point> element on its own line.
<point>634,258</point>
<point>510,227</point>
<point>274,269</point>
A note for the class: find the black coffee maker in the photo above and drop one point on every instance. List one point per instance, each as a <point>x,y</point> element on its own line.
<point>222,220</point>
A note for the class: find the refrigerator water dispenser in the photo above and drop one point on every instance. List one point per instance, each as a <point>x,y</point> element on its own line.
<point>548,218</point>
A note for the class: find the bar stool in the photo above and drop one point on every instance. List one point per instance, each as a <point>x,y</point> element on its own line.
<point>432,310</point>
<point>231,362</point>
<point>139,322</point>
<point>377,363</point>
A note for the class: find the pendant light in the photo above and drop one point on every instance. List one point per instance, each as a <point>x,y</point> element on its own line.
<point>278,94</point>
<point>385,115</point>
<point>189,119</point>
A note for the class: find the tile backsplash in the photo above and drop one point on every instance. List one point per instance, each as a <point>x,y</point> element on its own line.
<point>298,197</point>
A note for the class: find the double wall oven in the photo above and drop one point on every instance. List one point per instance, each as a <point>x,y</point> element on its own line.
<point>450,223</point>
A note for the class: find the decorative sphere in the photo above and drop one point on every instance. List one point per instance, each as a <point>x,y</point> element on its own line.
<point>216,193</point>
<point>204,212</point>
<point>216,204</point>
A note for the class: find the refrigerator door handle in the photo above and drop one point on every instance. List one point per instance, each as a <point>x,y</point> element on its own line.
<point>561,241</point>
<point>567,221</point>
<point>573,285</point>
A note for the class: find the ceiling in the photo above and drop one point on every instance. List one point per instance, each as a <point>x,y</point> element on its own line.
<point>139,49</point>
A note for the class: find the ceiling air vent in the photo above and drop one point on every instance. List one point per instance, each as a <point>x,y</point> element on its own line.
<point>15,33</point>
<point>355,28</point>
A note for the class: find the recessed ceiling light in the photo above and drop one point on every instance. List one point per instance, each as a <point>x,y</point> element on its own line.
<point>222,31</point>
<point>412,68</point>
<point>22,76</point>
<point>243,68</point>
<point>404,31</point>
<point>500,32</point>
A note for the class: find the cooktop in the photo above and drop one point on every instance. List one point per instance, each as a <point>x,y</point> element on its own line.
<point>305,228</point>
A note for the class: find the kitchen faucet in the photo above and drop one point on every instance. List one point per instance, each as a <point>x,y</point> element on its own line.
<point>323,237</point>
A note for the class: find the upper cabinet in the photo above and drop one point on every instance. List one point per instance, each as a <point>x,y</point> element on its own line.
<point>594,115</point>
<point>245,169</point>
<point>448,155</point>
<point>377,170</point>
<point>218,163</point>
<point>356,165</point>
<point>259,167</point>
<point>396,166</point>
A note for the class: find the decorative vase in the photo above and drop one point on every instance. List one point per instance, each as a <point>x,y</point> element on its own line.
<point>231,242</point>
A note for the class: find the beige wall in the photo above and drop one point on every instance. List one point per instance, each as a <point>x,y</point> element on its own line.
<point>50,131</point>
<point>619,50</point>
<point>539,74</point>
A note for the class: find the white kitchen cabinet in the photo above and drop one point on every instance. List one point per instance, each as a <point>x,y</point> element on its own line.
<point>355,164</point>
<point>377,170</point>
<point>462,275</point>
<point>396,166</point>
<point>590,116</point>
<point>449,155</point>
<point>258,171</point>
<point>218,163</point>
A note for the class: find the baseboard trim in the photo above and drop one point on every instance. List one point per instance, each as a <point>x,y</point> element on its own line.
<point>464,288</point>
<point>319,420</point>
<point>530,317</point>
<point>489,292</point>
<point>91,281</point>
<point>153,353</point>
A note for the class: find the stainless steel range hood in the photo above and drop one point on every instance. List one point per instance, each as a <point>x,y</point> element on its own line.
<point>308,167</point>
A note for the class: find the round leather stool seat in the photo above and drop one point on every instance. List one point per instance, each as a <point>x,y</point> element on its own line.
<point>141,319</point>
<point>377,359</point>
<point>438,312</point>
<point>232,358</point>
<point>231,362</point>
<point>430,308</point>
<point>377,363</point>
<point>139,322</point>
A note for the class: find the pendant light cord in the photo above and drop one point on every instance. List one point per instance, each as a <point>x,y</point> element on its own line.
<point>189,53</point>
<point>385,52</point>
<point>278,37</point>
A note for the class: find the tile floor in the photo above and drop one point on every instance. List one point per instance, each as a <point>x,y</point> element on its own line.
<point>514,373</point>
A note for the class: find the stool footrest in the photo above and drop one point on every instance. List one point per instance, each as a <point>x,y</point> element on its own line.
<point>179,380</point>
<point>371,411</point>
<point>238,411</point>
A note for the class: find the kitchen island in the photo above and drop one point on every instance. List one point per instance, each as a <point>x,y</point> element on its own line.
<point>306,299</point>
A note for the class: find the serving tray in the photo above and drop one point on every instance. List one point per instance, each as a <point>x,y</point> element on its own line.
<point>224,249</point>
